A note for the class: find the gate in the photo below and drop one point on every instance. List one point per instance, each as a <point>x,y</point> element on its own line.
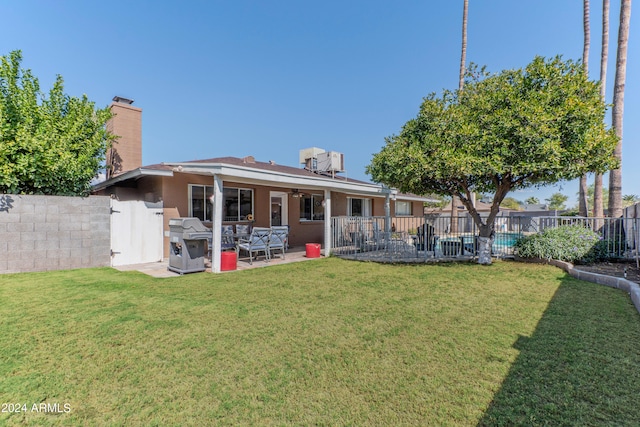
<point>136,232</point>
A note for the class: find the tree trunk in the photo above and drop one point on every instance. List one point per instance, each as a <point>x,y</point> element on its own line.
<point>484,250</point>
<point>453,228</point>
<point>463,59</point>
<point>615,175</point>
<point>486,228</point>
<point>484,240</point>
<point>598,200</point>
<point>583,209</point>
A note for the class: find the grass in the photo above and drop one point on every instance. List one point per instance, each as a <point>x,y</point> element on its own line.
<point>328,342</point>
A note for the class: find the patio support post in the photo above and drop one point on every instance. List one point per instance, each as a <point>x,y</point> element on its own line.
<point>327,222</point>
<point>387,216</point>
<point>216,224</point>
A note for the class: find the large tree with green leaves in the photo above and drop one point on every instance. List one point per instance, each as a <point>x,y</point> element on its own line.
<point>557,201</point>
<point>519,128</point>
<point>51,144</point>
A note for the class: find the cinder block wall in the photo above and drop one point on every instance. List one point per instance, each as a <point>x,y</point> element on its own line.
<point>40,233</point>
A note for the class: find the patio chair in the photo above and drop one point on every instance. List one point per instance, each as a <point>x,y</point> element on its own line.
<point>258,241</point>
<point>279,239</point>
<point>355,233</point>
<point>243,230</point>
<point>426,239</point>
<point>228,242</point>
<point>377,239</point>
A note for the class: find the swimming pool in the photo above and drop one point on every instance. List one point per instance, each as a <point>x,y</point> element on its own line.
<point>503,243</point>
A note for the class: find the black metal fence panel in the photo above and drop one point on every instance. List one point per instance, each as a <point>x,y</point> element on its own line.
<point>431,237</point>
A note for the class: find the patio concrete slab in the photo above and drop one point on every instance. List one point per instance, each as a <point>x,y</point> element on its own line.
<point>160,269</point>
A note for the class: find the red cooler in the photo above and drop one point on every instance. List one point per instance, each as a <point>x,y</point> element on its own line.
<point>313,250</point>
<point>228,261</point>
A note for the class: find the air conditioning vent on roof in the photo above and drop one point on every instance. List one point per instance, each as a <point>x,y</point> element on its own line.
<point>321,161</point>
<point>331,161</point>
<point>307,154</point>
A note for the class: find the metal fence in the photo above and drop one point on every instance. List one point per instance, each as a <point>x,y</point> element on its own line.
<point>431,236</point>
<point>620,235</point>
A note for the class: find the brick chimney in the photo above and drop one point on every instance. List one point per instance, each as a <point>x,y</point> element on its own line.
<point>126,151</point>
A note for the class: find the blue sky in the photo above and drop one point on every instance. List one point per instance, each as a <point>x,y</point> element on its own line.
<point>268,78</point>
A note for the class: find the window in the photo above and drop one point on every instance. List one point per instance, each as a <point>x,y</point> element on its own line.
<point>311,208</point>
<point>200,206</point>
<point>359,207</point>
<point>403,208</point>
<point>237,203</point>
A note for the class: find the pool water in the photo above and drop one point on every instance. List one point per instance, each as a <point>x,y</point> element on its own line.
<point>503,242</point>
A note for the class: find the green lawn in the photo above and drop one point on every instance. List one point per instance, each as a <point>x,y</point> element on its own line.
<point>326,342</point>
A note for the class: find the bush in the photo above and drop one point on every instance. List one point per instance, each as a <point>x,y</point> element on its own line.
<point>570,243</point>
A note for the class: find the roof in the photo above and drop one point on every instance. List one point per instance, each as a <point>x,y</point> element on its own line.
<point>249,170</point>
<point>480,207</point>
<point>270,166</point>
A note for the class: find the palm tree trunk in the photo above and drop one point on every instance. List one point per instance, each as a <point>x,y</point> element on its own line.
<point>463,57</point>
<point>583,210</point>
<point>463,60</point>
<point>598,208</point>
<point>615,175</point>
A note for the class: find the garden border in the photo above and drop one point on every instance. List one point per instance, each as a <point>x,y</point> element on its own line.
<point>631,288</point>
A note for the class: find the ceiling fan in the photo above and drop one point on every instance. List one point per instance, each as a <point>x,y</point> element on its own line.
<point>295,193</point>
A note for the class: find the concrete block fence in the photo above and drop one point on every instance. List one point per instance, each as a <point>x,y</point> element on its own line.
<point>41,233</point>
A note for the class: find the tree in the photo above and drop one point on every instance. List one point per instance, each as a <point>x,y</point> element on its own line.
<point>48,145</point>
<point>463,56</point>
<point>557,201</point>
<point>615,175</point>
<point>532,201</point>
<point>629,200</point>
<point>511,203</point>
<point>598,196</point>
<point>463,64</point>
<point>507,131</point>
<point>591,195</point>
<point>582,193</point>
<point>441,203</point>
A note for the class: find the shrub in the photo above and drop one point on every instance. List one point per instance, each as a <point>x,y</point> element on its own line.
<point>570,243</point>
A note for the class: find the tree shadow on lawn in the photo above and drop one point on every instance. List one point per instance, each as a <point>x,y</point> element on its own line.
<point>581,366</point>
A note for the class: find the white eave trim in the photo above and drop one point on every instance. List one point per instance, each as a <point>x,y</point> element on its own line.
<point>414,198</point>
<point>133,174</point>
<point>251,175</point>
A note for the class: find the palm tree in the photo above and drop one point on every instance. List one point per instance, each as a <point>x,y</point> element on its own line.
<point>463,57</point>
<point>615,175</point>
<point>598,199</point>
<point>463,60</point>
<point>582,194</point>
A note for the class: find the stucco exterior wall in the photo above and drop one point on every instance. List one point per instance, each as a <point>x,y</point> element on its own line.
<point>41,233</point>
<point>174,193</point>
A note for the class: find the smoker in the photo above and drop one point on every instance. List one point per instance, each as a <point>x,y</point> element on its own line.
<point>187,237</point>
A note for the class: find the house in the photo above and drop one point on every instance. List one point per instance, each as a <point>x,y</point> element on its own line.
<point>465,221</point>
<point>483,209</point>
<point>230,190</point>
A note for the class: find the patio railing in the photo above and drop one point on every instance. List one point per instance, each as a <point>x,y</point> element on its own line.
<point>430,236</point>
